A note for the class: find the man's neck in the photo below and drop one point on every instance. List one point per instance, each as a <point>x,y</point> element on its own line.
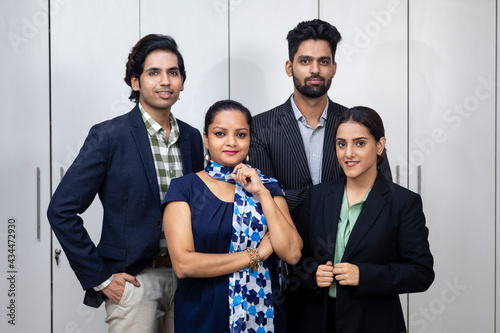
<point>311,108</point>
<point>162,117</point>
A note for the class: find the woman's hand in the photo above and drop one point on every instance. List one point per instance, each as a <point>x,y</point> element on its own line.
<point>265,247</point>
<point>347,274</point>
<point>247,178</point>
<point>324,275</point>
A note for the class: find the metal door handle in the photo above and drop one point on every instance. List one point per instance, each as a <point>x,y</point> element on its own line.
<point>56,257</point>
<point>38,203</point>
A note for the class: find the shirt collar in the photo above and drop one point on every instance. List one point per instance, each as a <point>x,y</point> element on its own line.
<point>299,115</point>
<point>154,128</point>
<point>345,209</point>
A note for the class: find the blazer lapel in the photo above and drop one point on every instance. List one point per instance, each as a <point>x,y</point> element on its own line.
<point>293,139</point>
<point>184,147</point>
<point>331,213</point>
<point>138,130</point>
<point>368,216</point>
<point>330,166</point>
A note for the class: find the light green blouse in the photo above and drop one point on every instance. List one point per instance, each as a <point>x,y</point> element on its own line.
<point>347,219</point>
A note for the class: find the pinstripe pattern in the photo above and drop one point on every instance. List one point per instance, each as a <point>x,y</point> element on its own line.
<point>278,151</point>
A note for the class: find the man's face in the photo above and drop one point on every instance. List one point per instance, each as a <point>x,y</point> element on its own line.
<point>160,82</point>
<point>312,68</point>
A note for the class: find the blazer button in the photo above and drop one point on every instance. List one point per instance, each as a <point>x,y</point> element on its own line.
<point>157,222</point>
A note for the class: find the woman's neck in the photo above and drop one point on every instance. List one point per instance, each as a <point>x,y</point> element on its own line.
<point>356,188</point>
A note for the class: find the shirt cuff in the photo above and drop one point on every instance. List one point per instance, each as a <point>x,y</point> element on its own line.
<point>104,284</point>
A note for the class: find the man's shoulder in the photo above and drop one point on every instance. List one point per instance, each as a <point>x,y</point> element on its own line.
<point>335,108</point>
<point>117,122</point>
<point>187,131</point>
<point>274,112</point>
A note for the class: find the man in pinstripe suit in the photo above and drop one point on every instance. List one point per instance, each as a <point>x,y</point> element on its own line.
<point>292,142</point>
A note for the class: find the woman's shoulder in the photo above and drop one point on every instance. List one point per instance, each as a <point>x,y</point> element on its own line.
<point>275,188</point>
<point>327,187</point>
<point>185,180</point>
<point>181,187</point>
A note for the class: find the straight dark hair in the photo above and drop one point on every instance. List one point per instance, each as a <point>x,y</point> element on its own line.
<point>367,117</point>
<point>224,105</point>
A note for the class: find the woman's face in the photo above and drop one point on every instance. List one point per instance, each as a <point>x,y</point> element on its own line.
<point>228,138</point>
<point>357,150</point>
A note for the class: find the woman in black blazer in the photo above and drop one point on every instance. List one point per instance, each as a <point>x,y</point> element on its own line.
<point>365,239</point>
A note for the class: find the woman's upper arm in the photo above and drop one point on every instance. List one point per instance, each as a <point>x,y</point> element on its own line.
<point>177,227</point>
<point>283,206</point>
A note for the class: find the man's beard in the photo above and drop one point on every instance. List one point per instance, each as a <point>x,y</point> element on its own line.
<point>312,91</point>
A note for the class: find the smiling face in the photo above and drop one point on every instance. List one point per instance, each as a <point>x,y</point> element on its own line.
<point>228,138</point>
<point>312,68</point>
<point>160,82</point>
<point>357,151</point>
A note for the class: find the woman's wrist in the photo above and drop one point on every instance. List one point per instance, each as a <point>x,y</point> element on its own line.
<point>262,193</point>
<point>254,257</point>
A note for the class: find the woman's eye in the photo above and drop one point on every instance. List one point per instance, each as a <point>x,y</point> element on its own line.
<point>219,134</point>
<point>241,135</point>
<point>341,144</point>
<point>360,143</point>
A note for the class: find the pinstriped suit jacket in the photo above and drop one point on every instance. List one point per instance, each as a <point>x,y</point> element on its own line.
<point>278,151</point>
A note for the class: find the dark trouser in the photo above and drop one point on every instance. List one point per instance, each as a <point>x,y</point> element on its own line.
<point>294,304</point>
<point>330,315</point>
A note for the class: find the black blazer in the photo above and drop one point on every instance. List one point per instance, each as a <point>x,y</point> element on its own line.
<point>278,151</point>
<point>389,245</point>
<point>117,164</point>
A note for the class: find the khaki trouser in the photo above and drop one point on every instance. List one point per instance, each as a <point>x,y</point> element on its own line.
<point>145,309</point>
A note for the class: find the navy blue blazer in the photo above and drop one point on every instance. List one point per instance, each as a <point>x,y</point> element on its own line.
<point>117,164</point>
<point>388,243</point>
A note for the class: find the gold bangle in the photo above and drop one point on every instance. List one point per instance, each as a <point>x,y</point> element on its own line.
<point>258,262</point>
<point>255,262</point>
<point>252,261</point>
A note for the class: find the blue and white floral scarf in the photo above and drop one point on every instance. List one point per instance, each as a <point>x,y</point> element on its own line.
<point>250,294</point>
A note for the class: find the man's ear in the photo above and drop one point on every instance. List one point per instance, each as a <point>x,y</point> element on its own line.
<point>289,68</point>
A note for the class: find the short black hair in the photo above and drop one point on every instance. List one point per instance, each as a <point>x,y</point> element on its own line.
<point>315,29</point>
<point>136,58</point>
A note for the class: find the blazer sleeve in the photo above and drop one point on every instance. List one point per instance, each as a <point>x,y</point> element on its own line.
<point>72,197</point>
<point>313,252</point>
<point>260,158</point>
<point>414,270</point>
<point>191,146</point>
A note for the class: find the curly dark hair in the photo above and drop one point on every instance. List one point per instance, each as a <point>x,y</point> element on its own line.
<point>136,58</point>
<point>315,29</point>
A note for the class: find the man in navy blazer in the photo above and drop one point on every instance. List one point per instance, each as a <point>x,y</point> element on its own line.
<point>128,162</point>
<point>293,141</point>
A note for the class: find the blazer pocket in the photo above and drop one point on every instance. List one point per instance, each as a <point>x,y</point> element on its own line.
<point>110,252</point>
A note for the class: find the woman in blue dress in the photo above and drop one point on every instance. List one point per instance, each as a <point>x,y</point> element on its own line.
<point>229,258</point>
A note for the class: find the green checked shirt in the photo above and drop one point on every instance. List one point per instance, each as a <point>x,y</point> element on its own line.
<point>167,156</point>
